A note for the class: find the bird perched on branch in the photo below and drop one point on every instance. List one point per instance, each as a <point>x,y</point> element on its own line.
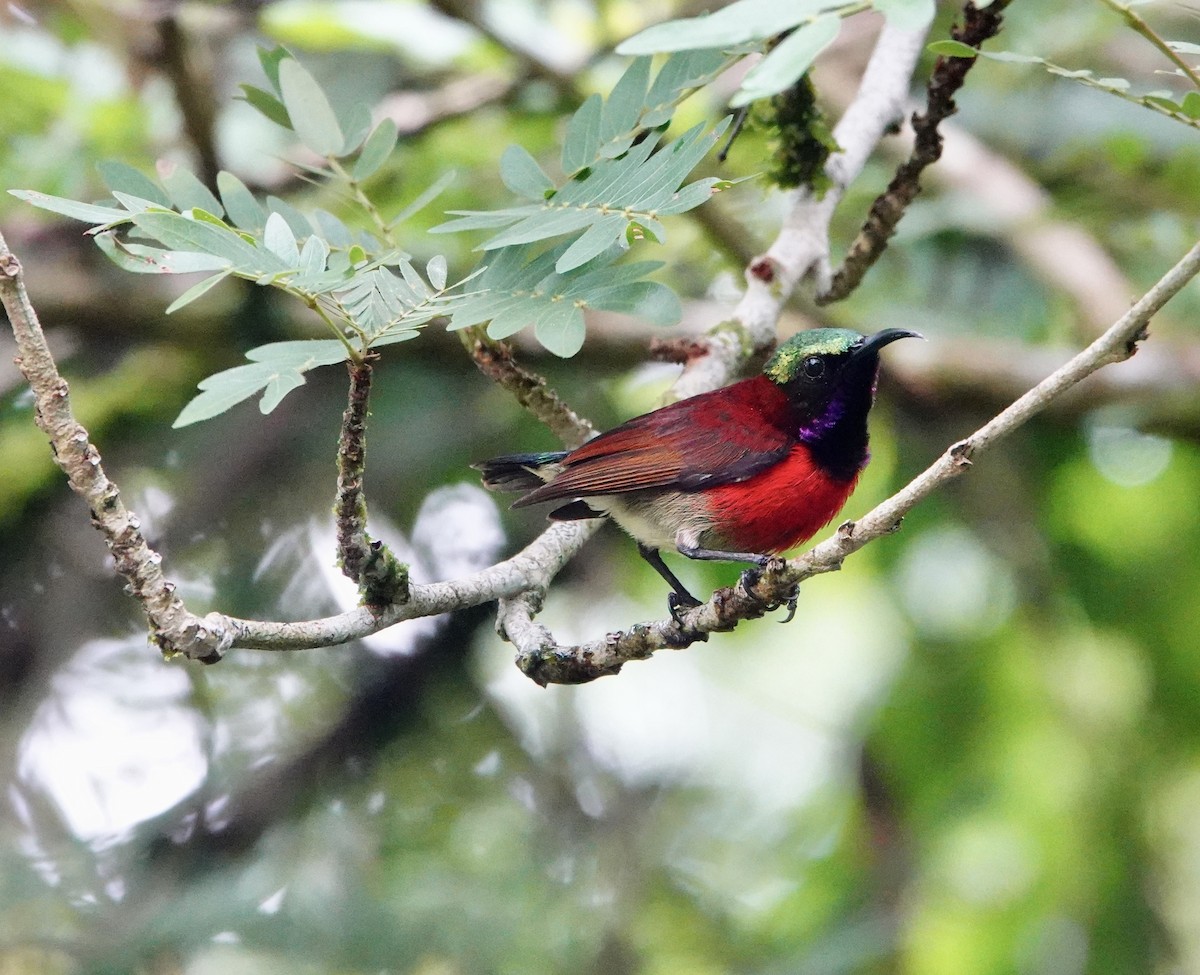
<point>737,474</point>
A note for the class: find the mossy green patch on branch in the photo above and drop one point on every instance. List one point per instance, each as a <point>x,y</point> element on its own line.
<point>801,137</point>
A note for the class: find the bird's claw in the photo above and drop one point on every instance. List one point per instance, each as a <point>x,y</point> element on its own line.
<point>678,603</point>
<point>791,605</point>
<point>749,578</point>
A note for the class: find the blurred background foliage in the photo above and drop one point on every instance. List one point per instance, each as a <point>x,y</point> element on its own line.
<point>976,749</point>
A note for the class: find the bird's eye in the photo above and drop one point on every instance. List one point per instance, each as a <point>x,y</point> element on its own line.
<point>814,367</point>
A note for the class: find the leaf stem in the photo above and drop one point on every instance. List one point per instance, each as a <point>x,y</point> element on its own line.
<point>365,202</point>
<point>352,353</point>
<point>1134,20</point>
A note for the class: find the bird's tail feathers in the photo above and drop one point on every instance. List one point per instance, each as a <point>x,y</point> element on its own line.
<point>517,472</point>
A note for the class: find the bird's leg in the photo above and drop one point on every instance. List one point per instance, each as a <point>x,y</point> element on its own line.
<point>679,599</point>
<point>713,555</point>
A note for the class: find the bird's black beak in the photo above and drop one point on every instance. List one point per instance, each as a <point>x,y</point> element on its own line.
<point>873,343</point>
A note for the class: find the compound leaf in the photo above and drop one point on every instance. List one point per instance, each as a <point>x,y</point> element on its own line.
<point>277,368</point>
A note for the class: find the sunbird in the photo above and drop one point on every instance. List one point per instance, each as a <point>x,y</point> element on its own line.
<point>737,474</point>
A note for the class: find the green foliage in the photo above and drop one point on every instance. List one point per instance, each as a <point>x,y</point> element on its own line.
<point>517,289</point>
<point>606,201</point>
<point>364,289</point>
<point>1185,108</point>
<point>276,369</point>
<point>808,26</point>
<point>620,180</point>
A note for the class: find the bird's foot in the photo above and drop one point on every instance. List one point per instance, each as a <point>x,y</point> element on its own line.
<point>680,602</point>
<point>751,577</point>
<point>747,581</point>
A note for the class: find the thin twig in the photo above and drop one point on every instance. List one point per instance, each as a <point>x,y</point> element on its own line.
<point>350,509</point>
<point>495,360</point>
<point>948,76</point>
<point>1136,23</point>
<point>527,571</point>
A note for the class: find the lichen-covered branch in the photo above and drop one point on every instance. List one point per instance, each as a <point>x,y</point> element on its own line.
<point>519,580</point>
<point>546,662</point>
<point>948,76</point>
<point>350,508</point>
<point>171,625</point>
<point>530,570</point>
<point>367,562</point>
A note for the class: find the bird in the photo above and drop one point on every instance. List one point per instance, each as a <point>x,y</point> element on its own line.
<point>739,474</point>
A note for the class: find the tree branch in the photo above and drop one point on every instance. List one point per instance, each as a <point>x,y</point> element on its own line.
<point>758,593</point>
<point>948,76</point>
<point>170,622</point>
<point>367,562</point>
<point>495,360</point>
<point>173,628</point>
<point>531,569</point>
<point>193,87</point>
<point>801,247</point>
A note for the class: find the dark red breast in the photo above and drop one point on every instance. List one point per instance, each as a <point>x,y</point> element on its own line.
<point>778,508</point>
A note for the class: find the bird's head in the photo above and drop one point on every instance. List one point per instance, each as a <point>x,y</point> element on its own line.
<point>829,371</point>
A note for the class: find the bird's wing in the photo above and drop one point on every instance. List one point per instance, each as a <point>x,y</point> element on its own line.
<point>715,438</point>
